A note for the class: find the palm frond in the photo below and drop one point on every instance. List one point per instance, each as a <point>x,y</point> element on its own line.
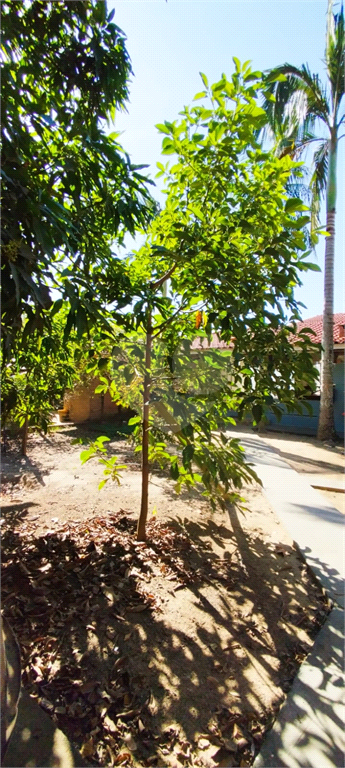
<point>282,91</point>
<point>335,47</point>
<point>318,183</point>
<point>299,95</point>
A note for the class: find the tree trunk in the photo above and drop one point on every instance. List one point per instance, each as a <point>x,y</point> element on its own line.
<point>141,530</point>
<point>326,429</point>
<point>25,435</point>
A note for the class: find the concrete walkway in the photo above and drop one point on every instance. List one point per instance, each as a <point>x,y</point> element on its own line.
<point>309,730</point>
<point>36,742</point>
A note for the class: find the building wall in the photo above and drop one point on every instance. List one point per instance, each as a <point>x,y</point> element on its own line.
<point>306,424</point>
<point>84,404</point>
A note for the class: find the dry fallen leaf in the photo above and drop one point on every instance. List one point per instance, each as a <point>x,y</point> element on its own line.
<point>152,705</point>
<point>230,745</point>
<point>212,680</point>
<point>282,549</point>
<point>87,748</point>
<point>123,757</point>
<point>203,743</point>
<point>130,742</point>
<point>109,723</point>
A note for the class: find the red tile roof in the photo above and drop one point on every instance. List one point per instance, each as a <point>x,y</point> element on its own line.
<point>315,323</point>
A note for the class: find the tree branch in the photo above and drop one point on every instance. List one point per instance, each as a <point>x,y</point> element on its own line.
<point>166,322</point>
<point>165,277</point>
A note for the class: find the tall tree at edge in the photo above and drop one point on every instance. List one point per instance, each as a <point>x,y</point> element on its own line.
<point>301,105</point>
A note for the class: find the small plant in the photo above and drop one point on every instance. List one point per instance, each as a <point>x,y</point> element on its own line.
<point>112,468</point>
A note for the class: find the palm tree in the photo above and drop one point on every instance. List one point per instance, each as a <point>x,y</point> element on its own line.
<point>303,112</point>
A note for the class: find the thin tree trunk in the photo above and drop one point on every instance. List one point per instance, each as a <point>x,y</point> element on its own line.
<point>326,429</point>
<point>141,530</point>
<point>25,435</point>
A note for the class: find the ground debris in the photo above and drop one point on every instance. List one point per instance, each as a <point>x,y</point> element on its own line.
<point>113,630</point>
<point>64,599</point>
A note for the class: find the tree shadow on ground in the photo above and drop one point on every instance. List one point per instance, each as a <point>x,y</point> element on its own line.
<point>310,725</point>
<point>316,466</point>
<point>16,512</point>
<point>142,647</point>
<point>14,466</point>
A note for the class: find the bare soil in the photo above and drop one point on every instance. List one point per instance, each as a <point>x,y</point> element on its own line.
<point>174,652</point>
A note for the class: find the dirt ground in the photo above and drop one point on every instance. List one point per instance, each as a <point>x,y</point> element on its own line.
<point>175,652</point>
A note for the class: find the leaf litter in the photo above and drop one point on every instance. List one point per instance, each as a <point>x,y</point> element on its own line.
<point>67,596</point>
<point>80,595</point>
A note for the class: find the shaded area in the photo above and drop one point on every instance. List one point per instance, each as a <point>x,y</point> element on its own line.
<point>36,740</point>
<point>14,466</point>
<point>311,521</point>
<point>89,603</point>
<point>16,512</point>
<point>312,465</point>
<point>309,730</point>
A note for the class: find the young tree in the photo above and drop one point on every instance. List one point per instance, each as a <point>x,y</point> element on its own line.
<point>69,191</point>
<point>231,245</point>
<point>36,375</point>
<point>302,112</point>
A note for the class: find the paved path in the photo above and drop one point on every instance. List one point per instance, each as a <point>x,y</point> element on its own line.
<point>37,742</point>
<point>309,730</point>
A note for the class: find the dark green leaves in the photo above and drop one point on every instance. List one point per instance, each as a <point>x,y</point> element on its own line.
<point>69,191</point>
<point>187,454</point>
<point>174,470</point>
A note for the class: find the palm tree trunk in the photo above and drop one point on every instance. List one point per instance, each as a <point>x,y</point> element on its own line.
<point>141,530</point>
<point>326,429</point>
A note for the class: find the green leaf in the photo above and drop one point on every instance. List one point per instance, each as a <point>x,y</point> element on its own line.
<point>237,64</point>
<point>200,95</point>
<point>299,223</point>
<point>102,388</point>
<point>313,267</point>
<point>187,454</point>
<point>102,439</point>
<point>294,204</point>
<point>163,129</point>
<point>86,455</point>
<point>252,76</point>
<point>134,420</point>
<point>204,79</point>
<point>168,148</point>
<point>174,470</point>
<point>276,78</point>
<point>257,412</point>
<point>103,363</point>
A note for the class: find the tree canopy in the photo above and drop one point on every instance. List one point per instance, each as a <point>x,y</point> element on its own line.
<point>234,241</point>
<point>231,244</point>
<point>70,192</point>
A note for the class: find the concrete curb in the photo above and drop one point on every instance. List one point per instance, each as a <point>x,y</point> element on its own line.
<point>309,730</point>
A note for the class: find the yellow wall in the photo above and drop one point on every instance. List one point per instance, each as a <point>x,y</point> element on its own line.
<point>83,404</point>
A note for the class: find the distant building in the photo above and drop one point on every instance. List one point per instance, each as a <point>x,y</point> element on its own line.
<point>84,404</point>
<point>307,424</point>
<point>294,422</point>
<point>315,323</point>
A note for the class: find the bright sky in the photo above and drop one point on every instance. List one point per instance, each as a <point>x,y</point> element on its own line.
<point>171,42</point>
